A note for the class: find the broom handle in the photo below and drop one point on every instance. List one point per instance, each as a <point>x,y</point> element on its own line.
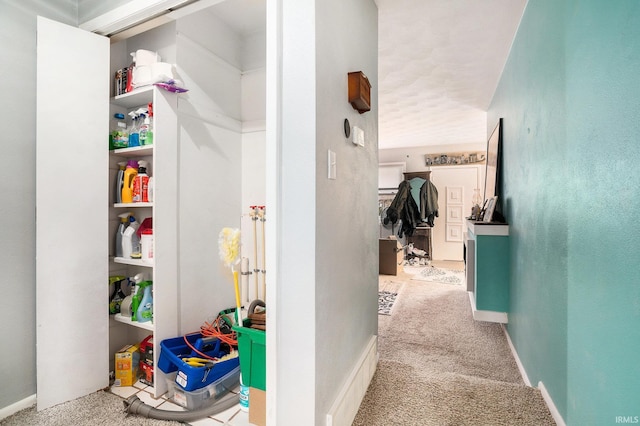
<point>254,218</point>
<point>264,270</point>
<point>238,305</point>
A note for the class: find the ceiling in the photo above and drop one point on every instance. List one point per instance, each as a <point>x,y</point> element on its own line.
<point>439,62</point>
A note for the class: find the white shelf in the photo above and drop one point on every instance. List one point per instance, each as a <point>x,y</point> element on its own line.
<point>136,151</point>
<point>127,320</point>
<point>137,97</point>
<point>132,205</point>
<point>134,262</point>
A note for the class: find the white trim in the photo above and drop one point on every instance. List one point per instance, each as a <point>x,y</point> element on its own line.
<point>550,405</point>
<point>10,410</point>
<point>130,14</point>
<point>477,228</point>
<point>489,316</point>
<point>346,405</point>
<point>523,373</point>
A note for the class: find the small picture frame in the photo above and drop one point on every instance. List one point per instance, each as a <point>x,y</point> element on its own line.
<point>491,206</point>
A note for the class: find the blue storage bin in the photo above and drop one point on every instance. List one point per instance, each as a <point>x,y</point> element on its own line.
<point>190,377</point>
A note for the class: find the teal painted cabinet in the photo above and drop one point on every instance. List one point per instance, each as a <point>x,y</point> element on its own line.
<point>489,259</point>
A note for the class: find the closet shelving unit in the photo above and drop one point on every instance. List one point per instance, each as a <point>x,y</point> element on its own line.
<point>162,160</point>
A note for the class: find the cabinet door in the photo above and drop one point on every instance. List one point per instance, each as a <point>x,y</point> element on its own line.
<point>71,219</point>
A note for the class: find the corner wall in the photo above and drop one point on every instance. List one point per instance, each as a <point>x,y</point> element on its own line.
<point>346,212</point>
<point>568,95</point>
<point>326,256</point>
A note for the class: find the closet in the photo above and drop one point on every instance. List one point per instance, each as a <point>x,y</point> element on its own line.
<point>196,160</point>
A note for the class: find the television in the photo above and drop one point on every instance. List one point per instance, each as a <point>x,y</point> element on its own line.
<point>493,174</point>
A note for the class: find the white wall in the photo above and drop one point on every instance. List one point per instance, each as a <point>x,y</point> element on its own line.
<point>327,250</point>
<point>466,177</point>
<point>17,188</point>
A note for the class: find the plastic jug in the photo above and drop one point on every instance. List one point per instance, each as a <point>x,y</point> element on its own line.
<point>130,174</point>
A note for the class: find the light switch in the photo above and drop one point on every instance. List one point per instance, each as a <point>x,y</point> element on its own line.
<point>358,136</point>
<point>331,160</point>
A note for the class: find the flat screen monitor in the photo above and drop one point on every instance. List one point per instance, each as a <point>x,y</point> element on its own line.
<point>492,184</point>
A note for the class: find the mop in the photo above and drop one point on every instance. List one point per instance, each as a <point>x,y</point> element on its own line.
<point>229,246</point>
<point>254,218</point>
<point>262,216</point>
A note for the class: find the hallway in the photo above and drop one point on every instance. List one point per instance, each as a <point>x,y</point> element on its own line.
<point>438,366</point>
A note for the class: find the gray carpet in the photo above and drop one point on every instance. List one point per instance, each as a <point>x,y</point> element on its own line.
<point>99,408</point>
<point>440,367</point>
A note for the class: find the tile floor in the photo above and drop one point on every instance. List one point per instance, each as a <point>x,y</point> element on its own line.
<point>230,417</point>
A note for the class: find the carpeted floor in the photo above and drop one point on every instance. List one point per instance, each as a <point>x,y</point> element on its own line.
<point>440,367</point>
<point>96,409</point>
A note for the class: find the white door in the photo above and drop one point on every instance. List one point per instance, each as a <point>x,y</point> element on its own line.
<point>455,189</point>
<point>71,201</point>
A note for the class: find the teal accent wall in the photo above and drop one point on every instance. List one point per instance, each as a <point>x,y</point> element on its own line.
<point>570,98</point>
<point>603,146</point>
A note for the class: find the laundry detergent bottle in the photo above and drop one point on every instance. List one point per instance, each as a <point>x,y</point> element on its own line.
<point>145,309</point>
<point>124,222</point>
<point>119,181</point>
<point>130,173</point>
<point>140,184</point>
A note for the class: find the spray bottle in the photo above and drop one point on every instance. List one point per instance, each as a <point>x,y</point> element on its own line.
<point>140,183</point>
<point>129,175</point>
<point>124,222</point>
<point>118,294</point>
<point>134,134</point>
<point>149,123</point>
<point>145,308</point>
<point>136,298</point>
<point>144,128</point>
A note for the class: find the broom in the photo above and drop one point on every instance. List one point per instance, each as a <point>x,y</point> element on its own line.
<point>229,246</point>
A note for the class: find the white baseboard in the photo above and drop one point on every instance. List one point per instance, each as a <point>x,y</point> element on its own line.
<point>523,373</point>
<point>18,406</point>
<point>346,405</point>
<point>545,394</point>
<point>550,405</point>
<point>489,316</point>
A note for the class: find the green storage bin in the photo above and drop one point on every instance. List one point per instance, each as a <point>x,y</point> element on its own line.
<point>253,357</point>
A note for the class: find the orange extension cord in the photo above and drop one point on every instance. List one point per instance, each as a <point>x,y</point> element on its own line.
<point>213,330</point>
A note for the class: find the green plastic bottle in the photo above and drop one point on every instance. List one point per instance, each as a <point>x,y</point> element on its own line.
<point>145,308</point>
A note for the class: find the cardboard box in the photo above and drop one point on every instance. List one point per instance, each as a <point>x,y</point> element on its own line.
<point>391,256</point>
<point>257,407</point>
<point>127,360</point>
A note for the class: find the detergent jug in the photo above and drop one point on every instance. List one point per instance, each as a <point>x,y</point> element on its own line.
<point>129,176</point>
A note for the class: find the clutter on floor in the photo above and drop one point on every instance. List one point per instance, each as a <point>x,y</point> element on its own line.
<point>221,365</point>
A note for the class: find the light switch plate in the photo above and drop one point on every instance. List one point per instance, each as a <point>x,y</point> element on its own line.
<point>331,161</point>
<point>358,136</point>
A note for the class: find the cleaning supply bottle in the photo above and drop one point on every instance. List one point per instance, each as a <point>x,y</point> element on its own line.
<point>150,189</point>
<point>149,124</point>
<point>124,222</point>
<point>118,297</point>
<point>130,240</point>
<point>130,173</point>
<point>119,181</point>
<point>120,134</point>
<point>136,296</point>
<point>134,135</point>
<point>145,308</point>
<point>140,183</point>
<point>144,129</point>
